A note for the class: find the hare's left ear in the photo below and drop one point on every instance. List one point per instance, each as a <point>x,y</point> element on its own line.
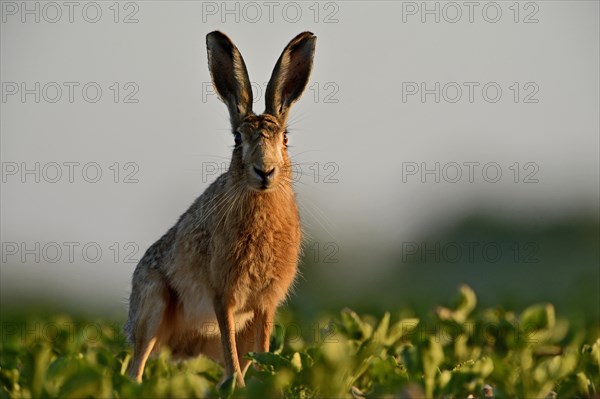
<point>290,75</point>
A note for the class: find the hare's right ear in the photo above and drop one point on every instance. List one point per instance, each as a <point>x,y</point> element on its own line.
<point>290,75</point>
<point>229,76</point>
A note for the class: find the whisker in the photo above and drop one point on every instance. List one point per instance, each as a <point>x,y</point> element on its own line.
<point>222,200</point>
<point>232,195</point>
<point>318,220</point>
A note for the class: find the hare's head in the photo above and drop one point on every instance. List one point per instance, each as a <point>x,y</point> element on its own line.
<point>260,157</point>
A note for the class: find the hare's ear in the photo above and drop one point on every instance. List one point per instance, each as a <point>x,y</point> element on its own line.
<point>229,76</point>
<point>290,75</point>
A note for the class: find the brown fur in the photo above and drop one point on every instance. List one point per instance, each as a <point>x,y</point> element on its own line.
<point>212,283</point>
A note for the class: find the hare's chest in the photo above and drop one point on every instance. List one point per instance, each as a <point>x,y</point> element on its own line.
<point>263,259</point>
<point>262,254</point>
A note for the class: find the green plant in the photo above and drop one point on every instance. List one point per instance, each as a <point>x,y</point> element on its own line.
<point>451,353</point>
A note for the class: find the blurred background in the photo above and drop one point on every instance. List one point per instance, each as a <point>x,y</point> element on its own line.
<point>438,143</point>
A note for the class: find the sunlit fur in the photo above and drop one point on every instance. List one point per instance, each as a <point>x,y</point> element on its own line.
<point>226,264</point>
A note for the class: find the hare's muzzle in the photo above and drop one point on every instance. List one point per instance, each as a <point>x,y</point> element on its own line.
<point>265,177</point>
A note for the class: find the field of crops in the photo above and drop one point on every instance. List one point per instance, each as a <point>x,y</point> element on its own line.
<point>452,352</point>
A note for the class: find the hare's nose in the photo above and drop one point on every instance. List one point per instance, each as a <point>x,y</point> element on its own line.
<point>264,176</point>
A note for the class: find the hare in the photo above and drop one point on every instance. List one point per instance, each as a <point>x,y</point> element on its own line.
<point>212,283</point>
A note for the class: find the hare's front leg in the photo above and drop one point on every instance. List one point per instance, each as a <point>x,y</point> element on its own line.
<point>245,343</point>
<point>263,325</point>
<point>224,313</point>
<point>255,336</point>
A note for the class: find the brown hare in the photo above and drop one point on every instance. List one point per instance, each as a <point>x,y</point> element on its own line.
<point>212,283</point>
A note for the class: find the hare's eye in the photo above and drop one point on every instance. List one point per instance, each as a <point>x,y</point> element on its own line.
<point>285,138</point>
<point>237,138</point>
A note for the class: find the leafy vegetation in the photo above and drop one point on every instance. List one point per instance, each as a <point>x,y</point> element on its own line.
<point>452,352</point>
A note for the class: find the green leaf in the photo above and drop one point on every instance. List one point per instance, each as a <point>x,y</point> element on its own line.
<point>277,339</point>
<point>307,360</point>
<point>583,383</point>
<point>538,317</point>
<point>380,334</point>
<point>401,329</point>
<point>296,362</point>
<point>86,383</point>
<point>467,301</point>
<point>269,359</point>
<point>227,388</point>
<point>595,353</point>
<point>354,326</point>
<point>432,356</point>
